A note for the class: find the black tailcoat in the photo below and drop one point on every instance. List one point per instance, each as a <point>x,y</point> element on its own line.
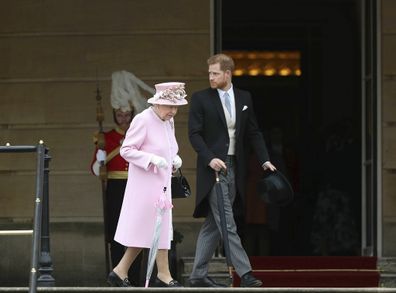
<point>209,137</point>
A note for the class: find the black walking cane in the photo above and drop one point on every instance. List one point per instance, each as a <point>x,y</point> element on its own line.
<point>223,224</point>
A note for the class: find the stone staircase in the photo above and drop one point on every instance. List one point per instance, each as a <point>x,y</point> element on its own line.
<point>218,270</point>
<point>197,290</point>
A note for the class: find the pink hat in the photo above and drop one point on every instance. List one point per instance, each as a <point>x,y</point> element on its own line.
<point>169,93</point>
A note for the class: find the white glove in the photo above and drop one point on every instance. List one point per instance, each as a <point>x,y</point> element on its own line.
<point>177,162</point>
<point>96,168</point>
<point>160,162</point>
<point>101,155</point>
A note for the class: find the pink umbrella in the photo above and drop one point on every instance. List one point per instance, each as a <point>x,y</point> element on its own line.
<point>162,205</point>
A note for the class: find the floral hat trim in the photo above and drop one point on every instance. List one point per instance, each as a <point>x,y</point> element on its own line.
<point>174,94</point>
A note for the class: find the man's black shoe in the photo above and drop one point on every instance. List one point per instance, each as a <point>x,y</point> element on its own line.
<point>205,282</point>
<point>115,281</point>
<point>248,280</point>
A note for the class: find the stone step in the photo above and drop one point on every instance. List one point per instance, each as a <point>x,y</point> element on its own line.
<point>220,278</point>
<point>216,265</point>
<point>197,290</point>
<point>218,270</point>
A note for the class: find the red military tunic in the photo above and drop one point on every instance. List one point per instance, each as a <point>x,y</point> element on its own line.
<point>116,166</point>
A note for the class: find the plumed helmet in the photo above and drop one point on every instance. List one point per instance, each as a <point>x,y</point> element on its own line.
<point>125,92</point>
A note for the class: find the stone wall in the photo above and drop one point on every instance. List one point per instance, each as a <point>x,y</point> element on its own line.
<point>52,53</point>
<point>388,64</point>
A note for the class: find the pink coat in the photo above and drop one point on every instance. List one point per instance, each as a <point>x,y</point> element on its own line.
<point>147,135</point>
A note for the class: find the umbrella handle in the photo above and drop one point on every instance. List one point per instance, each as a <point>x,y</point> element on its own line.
<point>218,172</point>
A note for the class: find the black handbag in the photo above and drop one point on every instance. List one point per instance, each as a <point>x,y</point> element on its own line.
<point>180,186</point>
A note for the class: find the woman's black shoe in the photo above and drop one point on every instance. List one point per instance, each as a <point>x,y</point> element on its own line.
<point>115,281</point>
<point>158,283</point>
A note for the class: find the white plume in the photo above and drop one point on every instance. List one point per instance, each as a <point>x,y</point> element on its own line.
<point>125,92</point>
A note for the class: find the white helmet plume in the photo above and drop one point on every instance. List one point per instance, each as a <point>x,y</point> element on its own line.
<point>125,92</point>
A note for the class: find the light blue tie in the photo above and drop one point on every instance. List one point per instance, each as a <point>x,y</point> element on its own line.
<point>227,103</point>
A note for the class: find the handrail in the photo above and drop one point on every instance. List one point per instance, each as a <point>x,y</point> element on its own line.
<point>15,232</point>
<point>18,149</point>
<point>37,218</point>
<point>40,250</point>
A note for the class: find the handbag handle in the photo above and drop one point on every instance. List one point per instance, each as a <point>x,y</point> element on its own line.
<point>179,171</point>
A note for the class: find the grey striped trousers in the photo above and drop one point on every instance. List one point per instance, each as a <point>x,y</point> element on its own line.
<point>210,233</point>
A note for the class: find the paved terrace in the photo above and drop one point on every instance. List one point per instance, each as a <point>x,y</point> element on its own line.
<point>196,290</point>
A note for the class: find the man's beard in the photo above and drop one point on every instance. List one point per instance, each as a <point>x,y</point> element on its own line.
<point>218,85</point>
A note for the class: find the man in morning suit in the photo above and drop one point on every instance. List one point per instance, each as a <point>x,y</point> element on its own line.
<point>222,126</point>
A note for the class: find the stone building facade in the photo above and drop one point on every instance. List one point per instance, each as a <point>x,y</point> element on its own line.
<point>53,56</point>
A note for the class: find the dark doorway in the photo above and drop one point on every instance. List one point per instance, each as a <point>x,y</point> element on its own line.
<point>311,122</point>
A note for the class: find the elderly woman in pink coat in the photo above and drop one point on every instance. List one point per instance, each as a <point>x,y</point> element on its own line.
<point>151,149</point>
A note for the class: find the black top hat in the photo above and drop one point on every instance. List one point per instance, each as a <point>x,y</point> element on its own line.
<point>275,189</point>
